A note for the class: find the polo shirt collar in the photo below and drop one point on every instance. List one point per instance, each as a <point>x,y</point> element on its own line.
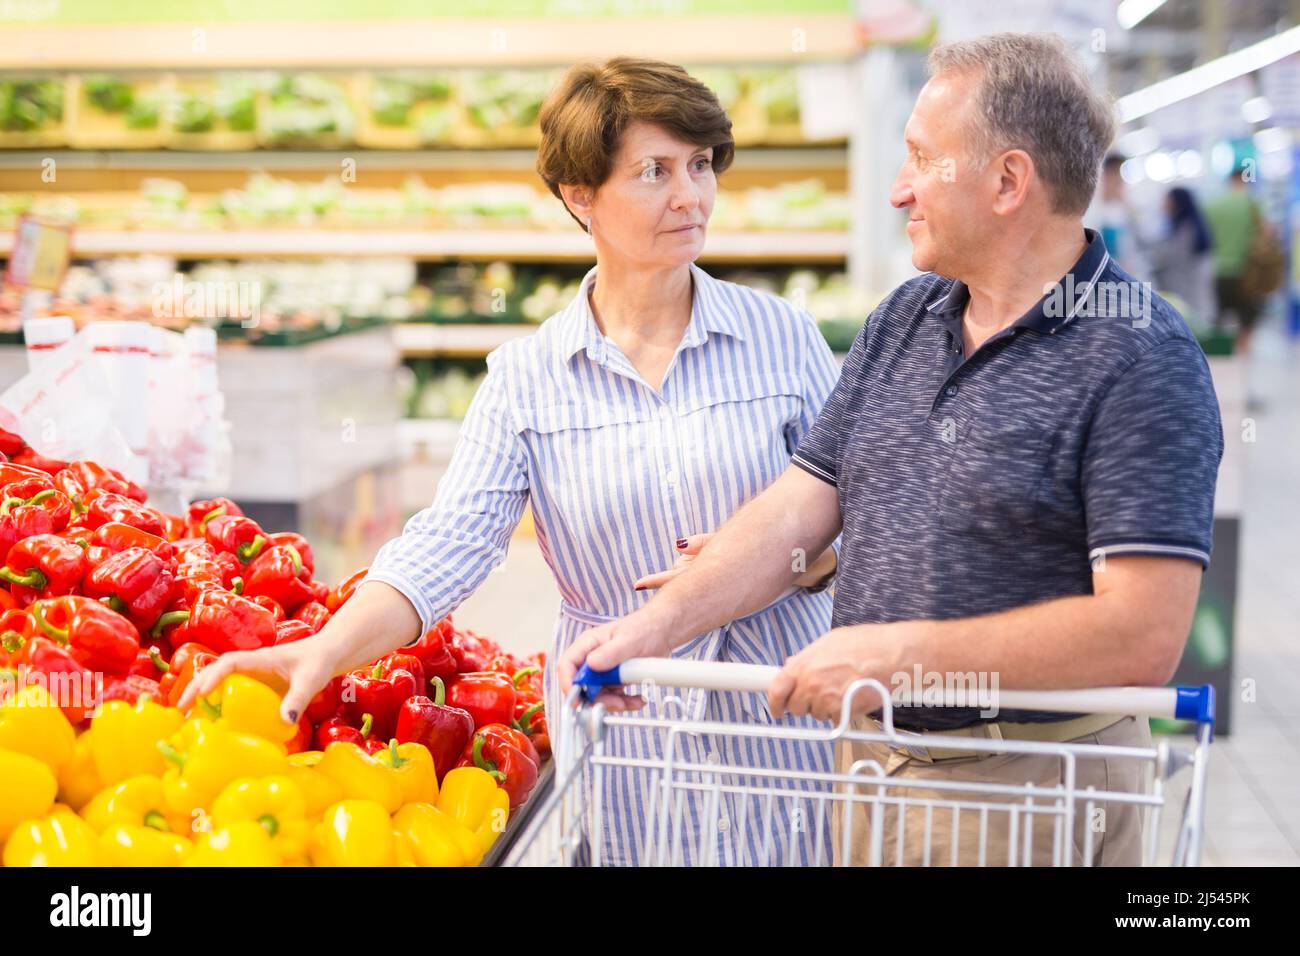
<point>711,311</point>
<point>1053,311</point>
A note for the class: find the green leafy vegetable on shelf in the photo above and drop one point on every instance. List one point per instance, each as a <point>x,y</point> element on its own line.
<point>143,114</point>
<point>504,99</point>
<point>109,93</point>
<point>195,115</point>
<point>308,105</point>
<point>30,104</point>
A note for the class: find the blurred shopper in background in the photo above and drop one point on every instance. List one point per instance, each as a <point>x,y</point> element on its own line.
<point>1182,262</point>
<point>1247,258</point>
<point>1113,217</point>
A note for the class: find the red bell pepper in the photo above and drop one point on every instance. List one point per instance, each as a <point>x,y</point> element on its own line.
<point>530,719</point>
<point>286,632</point>
<point>99,638</point>
<point>320,592</point>
<point>116,537</point>
<point>174,527</point>
<point>280,574</point>
<point>470,653</point>
<point>302,739</point>
<point>131,688</point>
<point>315,615</point>
<point>180,657</point>
<point>201,512</point>
<point>444,730</point>
<point>42,566</point>
<point>489,697</point>
<point>11,443</point>
<point>227,622</point>
<point>12,471</point>
<point>326,704</point>
<point>338,728</point>
<point>136,583</point>
<point>236,535</point>
<point>79,695</point>
<point>300,544</point>
<point>271,604</point>
<point>433,653</point>
<point>380,690</point>
<point>508,756</point>
<point>105,506</point>
<point>341,594</point>
<point>80,477</point>
<point>192,664</point>
<point>34,459</point>
<point>24,521</point>
<point>38,493</point>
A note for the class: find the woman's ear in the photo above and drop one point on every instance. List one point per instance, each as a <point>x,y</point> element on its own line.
<point>579,200</point>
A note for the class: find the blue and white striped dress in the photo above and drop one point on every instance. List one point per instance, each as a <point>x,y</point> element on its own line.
<point>616,472</point>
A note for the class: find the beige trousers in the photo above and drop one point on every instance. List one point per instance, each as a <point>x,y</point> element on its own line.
<point>1116,827</point>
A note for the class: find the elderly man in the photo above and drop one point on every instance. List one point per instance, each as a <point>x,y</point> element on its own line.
<point>1020,453</point>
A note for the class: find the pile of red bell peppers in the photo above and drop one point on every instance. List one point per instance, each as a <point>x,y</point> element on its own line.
<point>95,582</point>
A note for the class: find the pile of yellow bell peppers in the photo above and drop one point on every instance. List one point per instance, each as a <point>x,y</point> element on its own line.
<point>146,785</point>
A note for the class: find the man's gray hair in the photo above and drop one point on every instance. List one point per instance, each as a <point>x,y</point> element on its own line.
<point>1035,95</point>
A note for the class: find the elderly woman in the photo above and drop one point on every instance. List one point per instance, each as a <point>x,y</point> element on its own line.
<point>635,421</point>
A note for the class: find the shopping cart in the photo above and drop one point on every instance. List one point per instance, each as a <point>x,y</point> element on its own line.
<point>565,826</point>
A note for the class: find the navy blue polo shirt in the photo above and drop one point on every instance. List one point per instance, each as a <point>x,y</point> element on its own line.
<point>975,484</point>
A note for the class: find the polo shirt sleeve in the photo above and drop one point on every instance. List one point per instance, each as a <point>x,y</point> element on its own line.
<point>820,450</point>
<point>1152,458</point>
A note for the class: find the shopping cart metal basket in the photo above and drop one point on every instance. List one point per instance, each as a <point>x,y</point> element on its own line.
<point>564,827</point>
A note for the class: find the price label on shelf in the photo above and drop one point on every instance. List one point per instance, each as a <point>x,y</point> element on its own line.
<point>40,255</point>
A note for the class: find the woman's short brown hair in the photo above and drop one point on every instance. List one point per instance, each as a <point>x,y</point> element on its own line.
<point>584,117</point>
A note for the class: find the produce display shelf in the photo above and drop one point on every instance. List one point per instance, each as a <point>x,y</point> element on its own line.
<point>471,243</point>
<point>459,340</point>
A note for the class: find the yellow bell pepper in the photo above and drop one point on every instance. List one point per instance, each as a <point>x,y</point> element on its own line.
<point>354,833</point>
<point>31,724</point>
<point>472,798</point>
<point>248,706</point>
<point>60,839</point>
<point>413,765</point>
<point>276,803</point>
<point>29,790</point>
<point>126,739</point>
<point>320,791</point>
<point>361,776</point>
<point>238,844</point>
<point>78,778</point>
<point>434,838</point>
<point>124,845</point>
<point>136,802</point>
<point>208,757</point>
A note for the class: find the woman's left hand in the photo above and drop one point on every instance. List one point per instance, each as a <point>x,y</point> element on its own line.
<point>688,548</point>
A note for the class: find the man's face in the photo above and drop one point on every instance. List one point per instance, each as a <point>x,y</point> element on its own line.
<point>945,193</point>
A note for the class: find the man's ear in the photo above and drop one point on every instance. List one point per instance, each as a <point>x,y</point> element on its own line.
<point>1015,175</point>
<point>579,199</point>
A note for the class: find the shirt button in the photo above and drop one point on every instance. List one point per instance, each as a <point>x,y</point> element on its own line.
<point>723,823</point>
<point>713,759</point>
<point>950,391</point>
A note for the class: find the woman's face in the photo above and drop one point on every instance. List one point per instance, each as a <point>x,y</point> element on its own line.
<point>654,208</point>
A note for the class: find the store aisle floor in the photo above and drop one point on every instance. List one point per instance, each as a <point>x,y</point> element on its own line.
<point>1253,815</point>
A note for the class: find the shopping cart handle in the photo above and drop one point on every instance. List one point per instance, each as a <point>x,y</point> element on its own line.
<point>1195,703</point>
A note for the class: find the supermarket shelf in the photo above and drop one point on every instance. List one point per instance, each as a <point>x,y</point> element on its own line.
<point>486,244</point>
<point>461,341</point>
<point>427,43</point>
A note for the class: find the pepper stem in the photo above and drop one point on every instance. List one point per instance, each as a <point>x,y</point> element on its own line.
<point>171,753</point>
<point>40,496</point>
<point>156,821</point>
<point>367,723</point>
<point>297,559</point>
<point>482,762</point>
<point>395,759</point>
<point>212,710</point>
<point>158,661</point>
<point>250,549</point>
<point>59,634</point>
<point>214,513</point>
<point>237,585</point>
<point>12,641</point>
<point>525,720</point>
<point>115,602</point>
<point>377,672</point>
<point>270,823</point>
<point>439,690</point>
<point>523,673</point>
<point>167,620</point>
<point>34,578</point>
<point>8,504</point>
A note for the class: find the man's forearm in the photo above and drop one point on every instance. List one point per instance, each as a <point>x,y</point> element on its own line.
<point>1093,640</point>
<point>753,558</point>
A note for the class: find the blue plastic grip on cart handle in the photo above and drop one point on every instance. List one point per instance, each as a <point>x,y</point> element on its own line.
<point>1195,703</point>
<point>592,681</point>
